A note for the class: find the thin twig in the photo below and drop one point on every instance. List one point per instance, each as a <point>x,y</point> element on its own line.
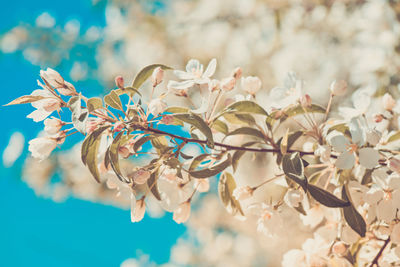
<point>376,259</point>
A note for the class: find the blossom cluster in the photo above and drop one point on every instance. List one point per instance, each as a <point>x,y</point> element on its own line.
<point>339,170</point>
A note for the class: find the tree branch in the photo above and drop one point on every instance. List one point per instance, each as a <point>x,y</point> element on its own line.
<point>375,261</point>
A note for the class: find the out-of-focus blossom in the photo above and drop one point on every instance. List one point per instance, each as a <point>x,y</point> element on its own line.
<point>14,149</point>
<point>157,106</point>
<point>251,84</point>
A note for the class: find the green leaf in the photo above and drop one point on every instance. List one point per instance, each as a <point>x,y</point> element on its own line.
<point>25,100</point>
<point>112,99</point>
<point>177,110</point>
<point>226,185</point>
<point>127,90</point>
<point>198,123</point>
<point>90,149</point>
<point>198,160</point>
<point>152,184</point>
<point>239,119</point>
<point>284,142</point>
<point>299,109</point>
<point>248,131</point>
<point>79,115</point>
<point>220,126</point>
<point>141,141</point>
<point>212,171</point>
<point>293,168</point>
<point>238,154</point>
<point>160,143</point>
<point>352,217</point>
<point>113,156</point>
<point>394,137</point>
<point>326,198</point>
<point>341,127</point>
<point>246,107</point>
<point>145,73</point>
<point>94,103</point>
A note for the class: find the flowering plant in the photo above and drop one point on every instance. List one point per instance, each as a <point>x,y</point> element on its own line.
<point>338,169</point>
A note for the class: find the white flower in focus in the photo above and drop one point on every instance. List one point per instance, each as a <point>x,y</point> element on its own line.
<point>368,156</point>
<point>243,192</point>
<point>137,213</point>
<point>338,88</point>
<point>182,213</point>
<point>251,84</point>
<point>193,75</point>
<point>140,176</point>
<point>361,101</point>
<point>54,79</point>
<point>157,106</point>
<point>45,106</point>
<point>42,147</point>
<point>52,126</point>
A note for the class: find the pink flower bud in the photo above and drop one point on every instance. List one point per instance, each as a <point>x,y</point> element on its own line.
<point>157,77</point>
<point>228,84</point>
<point>182,213</point>
<point>394,165</point>
<point>118,126</point>
<point>242,193</point>
<point>140,176</point>
<point>53,125</point>
<point>388,102</point>
<point>338,88</point>
<point>137,213</point>
<point>92,124</point>
<point>202,185</point>
<point>214,85</point>
<point>124,152</point>
<point>378,118</point>
<point>305,101</point>
<point>237,73</point>
<point>167,119</point>
<point>339,248</point>
<point>251,84</point>
<point>119,82</point>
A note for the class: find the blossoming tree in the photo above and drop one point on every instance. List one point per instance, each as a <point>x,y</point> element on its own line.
<point>338,170</point>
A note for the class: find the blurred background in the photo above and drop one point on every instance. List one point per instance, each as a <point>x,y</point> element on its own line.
<point>53,216</point>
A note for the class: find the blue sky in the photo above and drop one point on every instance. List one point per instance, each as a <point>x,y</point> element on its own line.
<point>36,231</point>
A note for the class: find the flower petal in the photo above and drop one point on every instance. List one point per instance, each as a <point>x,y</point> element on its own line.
<point>345,161</point>
<point>180,85</point>
<point>210,68</point>
<point>339,142</point>
<point>369,157</point>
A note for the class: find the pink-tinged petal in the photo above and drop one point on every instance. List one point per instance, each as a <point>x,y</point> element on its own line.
<point>339,142</point>
<point>210,68</point>
<point>180,85</point>
<point>42,147</point>
<point>193,66</point>
<point>38,115</point>
<point>345,161</point>
<point>369,157</point>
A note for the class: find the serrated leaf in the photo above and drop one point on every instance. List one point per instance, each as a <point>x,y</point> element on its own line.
<point>89,151</point>
<point>26,99</point>
<point>352,217</point>
<point>113,156</point>
<point>212,171</point>
<point>145,73</point>
<point>79,115</point>
<point>198,123</point>
<point>152,184</point>
<point>293,168</point>
<point>326,198</point>
<point>94,103</point>
<point>226,185</point>
<point>112,99</point>
<point>248,131</point>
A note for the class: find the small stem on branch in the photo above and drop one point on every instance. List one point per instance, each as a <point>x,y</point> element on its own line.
<point>376,259</point>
